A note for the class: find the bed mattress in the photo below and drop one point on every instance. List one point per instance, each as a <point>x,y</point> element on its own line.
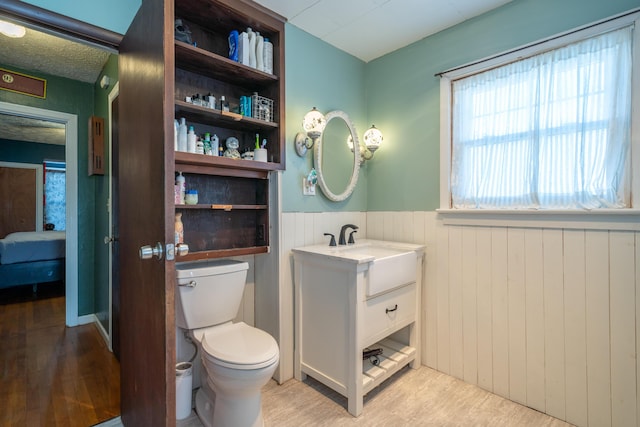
<point>27,246</point>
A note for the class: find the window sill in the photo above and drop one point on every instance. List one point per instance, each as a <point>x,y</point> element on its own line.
<point>601,219</point>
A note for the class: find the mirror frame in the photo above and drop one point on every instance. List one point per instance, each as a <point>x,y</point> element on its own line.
<point>317,158</point>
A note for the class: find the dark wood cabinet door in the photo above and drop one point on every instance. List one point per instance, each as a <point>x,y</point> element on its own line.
<point>146,217</point>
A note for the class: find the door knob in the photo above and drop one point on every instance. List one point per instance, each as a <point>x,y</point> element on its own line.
<point>148,252</point>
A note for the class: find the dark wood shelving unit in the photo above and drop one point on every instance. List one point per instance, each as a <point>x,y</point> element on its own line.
<point>233,210</point>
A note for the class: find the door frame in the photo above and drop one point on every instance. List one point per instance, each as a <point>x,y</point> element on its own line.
<point>112,95</point>
<point>70,121</point>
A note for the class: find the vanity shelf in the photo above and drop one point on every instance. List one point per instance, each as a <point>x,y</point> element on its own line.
<point>395,356</point>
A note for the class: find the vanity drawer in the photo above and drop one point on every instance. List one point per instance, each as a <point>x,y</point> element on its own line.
<point>383,314</point>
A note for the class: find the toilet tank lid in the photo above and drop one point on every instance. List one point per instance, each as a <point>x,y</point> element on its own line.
<point>209,267</point>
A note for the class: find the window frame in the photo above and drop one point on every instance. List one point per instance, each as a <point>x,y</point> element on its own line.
<point>627,218</point>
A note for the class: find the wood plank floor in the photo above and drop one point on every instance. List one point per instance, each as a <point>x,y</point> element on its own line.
<point>51,375</point>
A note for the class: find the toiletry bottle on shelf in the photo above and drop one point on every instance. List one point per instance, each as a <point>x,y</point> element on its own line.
<point>176,129</point>
<point>179,229</point>
<point>259,52</point>
<point>215,145</point>
<point>252,48</point>
<point>233,45</point>
<point>191,140</point>
<point>268,56</point>
<point>182,185</point>
<point>224,105</point>
<point>207,144</point>
<point>199,146</point>
<point>212,101</point>
<point>182,135</point>
<point>243,48</point>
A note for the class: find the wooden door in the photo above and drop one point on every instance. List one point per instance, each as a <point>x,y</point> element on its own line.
<point>147,339</point>
<point>17,200</point>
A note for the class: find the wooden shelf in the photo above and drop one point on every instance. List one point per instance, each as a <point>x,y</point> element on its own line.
<point>394,357</point>
<point>223,253</point>
<point>217,165</point>
<point>223,207</point>
<point>196,113</point>
<point>206,63</point>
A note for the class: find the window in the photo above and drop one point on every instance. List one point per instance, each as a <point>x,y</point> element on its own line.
<point>55,195</point>
<point>551,130</point>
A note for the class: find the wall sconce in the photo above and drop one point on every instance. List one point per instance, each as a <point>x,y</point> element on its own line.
<point>105,82</point>
<point>372,140</point>
<point>313,125</point>
<point>12,30</point>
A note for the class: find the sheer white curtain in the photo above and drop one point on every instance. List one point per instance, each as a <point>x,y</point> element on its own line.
<point>549,131</point>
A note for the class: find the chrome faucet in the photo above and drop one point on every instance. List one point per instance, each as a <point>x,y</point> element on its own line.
<point>342,240</point>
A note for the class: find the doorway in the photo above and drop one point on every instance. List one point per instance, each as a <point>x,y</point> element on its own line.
<point>70,122</point>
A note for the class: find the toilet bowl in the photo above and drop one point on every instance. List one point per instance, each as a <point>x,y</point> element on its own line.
<point>238,359</point>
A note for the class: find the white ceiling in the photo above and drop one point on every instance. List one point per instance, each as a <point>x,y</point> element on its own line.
<point>368,29</point>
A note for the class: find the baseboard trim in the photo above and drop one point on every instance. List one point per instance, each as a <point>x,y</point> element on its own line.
<point>92,318</point>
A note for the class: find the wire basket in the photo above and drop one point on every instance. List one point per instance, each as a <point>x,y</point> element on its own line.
<point>262,108</point>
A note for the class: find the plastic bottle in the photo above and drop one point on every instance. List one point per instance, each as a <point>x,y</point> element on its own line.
<point>191,140</point>
<point>176,129</point>
<point>179,229</point>
<point>233,45</point>
<point>252,48</point>
<point>182,135</point>
<point>207,144</point>
<point>181,183</point>
<point>268,56</point>
<point>199,146</point>
<point>215,145</point>
<point>259,52</point>
<point>243,48</point>
<point>224,105</point>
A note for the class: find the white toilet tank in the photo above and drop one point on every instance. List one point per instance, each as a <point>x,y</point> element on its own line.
<point>209,293</point>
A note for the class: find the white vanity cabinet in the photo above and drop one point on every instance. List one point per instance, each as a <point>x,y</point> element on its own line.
<point>351,298</point>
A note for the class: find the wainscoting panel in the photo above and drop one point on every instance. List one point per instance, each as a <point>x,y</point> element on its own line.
<point>547,317</point>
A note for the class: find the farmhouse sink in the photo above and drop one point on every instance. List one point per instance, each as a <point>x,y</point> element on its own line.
<point>390,264</point>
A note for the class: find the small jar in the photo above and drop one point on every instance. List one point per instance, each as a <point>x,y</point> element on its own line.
<point>191,197</point>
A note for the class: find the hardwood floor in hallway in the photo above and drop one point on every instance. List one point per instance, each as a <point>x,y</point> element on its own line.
<point>51,375</point>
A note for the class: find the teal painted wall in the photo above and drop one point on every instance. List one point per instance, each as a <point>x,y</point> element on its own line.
<point>73,97</point>
<point>101,272</point>
<point>321,76</point>
<point>29,152</point>
<point>114,15</point>
<point>403,95</point>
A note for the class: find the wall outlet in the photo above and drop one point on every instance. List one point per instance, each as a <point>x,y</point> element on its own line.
<point>308,189</point>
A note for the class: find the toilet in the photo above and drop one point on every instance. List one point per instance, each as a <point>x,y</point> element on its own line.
<point>238,359</point>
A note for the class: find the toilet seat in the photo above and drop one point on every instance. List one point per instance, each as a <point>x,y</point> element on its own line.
<point>240,346</point>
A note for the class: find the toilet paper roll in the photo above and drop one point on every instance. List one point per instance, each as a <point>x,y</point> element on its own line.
<point>260,154</point>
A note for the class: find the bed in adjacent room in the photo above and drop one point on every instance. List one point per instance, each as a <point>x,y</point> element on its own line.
<point>32,257</point>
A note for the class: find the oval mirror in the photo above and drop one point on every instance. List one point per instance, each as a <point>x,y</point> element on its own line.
<point>337,166</point>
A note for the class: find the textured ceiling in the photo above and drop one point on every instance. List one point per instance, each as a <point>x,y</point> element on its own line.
<point>45,53</point>
<point>31,130</point>
<point>38,51</point>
